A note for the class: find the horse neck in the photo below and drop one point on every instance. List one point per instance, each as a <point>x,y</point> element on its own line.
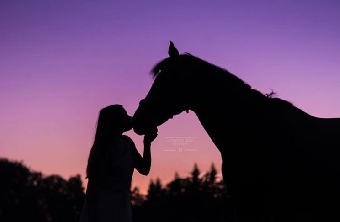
<point>212,123</point>
<point>222,117</point>
<point>248,114</point>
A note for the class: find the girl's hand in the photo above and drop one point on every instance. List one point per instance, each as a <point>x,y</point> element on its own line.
<point>150,136</point>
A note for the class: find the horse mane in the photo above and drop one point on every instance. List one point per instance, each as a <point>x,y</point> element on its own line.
<point>191,60</point>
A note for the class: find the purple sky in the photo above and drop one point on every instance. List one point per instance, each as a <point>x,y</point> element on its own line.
<point>62,61</point>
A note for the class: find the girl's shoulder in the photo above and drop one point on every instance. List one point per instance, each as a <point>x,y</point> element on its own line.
<point>132,146</point>
<point>135,154</point>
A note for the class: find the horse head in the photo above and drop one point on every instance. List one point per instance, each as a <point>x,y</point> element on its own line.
<point>169,95</point>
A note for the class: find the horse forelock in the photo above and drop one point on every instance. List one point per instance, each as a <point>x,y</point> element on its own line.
<point>158,67</point>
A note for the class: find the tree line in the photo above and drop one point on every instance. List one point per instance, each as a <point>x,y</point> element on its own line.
<point>27,195</point>
<point>198,197</point>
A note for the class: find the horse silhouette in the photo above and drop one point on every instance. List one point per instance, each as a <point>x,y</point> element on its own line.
<point>279,162</point>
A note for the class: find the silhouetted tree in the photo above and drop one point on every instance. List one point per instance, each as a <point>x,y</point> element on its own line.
<point>174,188</point>
<point>212,174</point>
<point>28,196</point>
<point>17,192</point>
<point>186,199</point>
<point>195,175</point>
<point>137,199</point>
<point>155,191</point>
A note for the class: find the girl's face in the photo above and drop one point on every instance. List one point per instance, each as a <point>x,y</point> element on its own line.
<point>124,122</point>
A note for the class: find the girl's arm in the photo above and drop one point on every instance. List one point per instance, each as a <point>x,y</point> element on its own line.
<point>143,164</point>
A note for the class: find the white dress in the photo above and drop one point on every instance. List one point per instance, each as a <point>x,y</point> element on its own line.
<point>110,198</point>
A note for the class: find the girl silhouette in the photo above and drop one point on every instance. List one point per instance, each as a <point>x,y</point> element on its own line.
<point>111,162</point>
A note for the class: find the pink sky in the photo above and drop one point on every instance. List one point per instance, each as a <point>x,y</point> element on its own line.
<point>62,61</point>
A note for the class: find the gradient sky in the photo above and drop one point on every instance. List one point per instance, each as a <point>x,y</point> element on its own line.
<point>62,61</point>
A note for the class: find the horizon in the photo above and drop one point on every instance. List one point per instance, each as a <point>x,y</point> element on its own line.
<point>143,192</point>
<point>64,61</point>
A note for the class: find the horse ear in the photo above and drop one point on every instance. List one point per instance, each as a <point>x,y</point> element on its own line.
<point>173,52</point>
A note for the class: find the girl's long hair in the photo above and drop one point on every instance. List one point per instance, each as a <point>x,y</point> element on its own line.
<point>107,125</point>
